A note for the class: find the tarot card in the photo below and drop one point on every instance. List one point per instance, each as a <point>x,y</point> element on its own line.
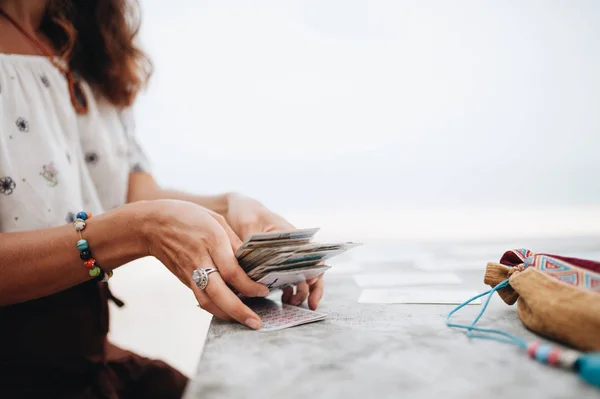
<point>399,279</point>
<point>276,316</point>
<point>417,296</point>
<point>284,278</point>
<point>283,235</point>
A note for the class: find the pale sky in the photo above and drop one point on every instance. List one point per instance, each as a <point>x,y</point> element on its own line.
<point>376,103</point>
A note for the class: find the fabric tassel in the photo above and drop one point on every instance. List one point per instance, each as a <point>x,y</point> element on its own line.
<point>588,368</point>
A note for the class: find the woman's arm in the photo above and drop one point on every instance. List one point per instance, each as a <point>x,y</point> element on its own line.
<point>37,263</point>
<point>142,186</point>
<point>244,215</point>
<point>182,235</point>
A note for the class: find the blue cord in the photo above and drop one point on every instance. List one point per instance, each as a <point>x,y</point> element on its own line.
<point>486,333</point>
<point>587,365</point>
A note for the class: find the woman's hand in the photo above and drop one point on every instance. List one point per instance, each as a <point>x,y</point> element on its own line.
<point>185,236</point>
<point>246,216</point>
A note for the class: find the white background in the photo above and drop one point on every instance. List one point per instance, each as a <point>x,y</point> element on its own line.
<point>369,104</point>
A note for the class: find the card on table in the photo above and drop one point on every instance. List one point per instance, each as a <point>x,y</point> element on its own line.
<point>432,263</point>
<point>276,316</point>
<point>398,279</point>
<point>417,296</point>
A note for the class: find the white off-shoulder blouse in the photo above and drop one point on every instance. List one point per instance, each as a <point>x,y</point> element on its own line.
<point>53,161</point>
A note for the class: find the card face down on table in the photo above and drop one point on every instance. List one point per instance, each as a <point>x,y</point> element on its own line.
<point>417,296</point>
<point>276,316</point>
<point>283,258</point>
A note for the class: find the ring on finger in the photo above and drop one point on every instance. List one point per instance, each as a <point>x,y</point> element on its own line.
<point>200,276</point>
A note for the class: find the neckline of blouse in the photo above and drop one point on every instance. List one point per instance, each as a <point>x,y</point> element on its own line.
<point>30,58</point>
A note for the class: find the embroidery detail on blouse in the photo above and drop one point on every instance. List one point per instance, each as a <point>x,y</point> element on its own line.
<point>137,167</point>
<point>22,125</point>
<point>91,157</point>
<point>49,174</point>
<point>70,217</point>
<point>7,185</point>
<point>45,81</point>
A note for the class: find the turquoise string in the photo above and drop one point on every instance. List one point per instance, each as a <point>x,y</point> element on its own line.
<point>486,333</point>
<point>587,365</point>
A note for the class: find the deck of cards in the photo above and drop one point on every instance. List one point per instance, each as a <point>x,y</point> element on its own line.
<point>281,259</point>
<point>284,258</point>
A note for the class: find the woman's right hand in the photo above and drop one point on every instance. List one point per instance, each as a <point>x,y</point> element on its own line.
<point>185,236</point>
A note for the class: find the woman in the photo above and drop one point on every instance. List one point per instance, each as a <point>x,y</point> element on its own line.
<point>69,72</point>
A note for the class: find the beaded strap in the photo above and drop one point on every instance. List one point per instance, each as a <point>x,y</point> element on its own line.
<point>85,254</point>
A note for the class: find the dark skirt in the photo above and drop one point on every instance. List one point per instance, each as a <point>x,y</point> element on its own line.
<point>56,347</point>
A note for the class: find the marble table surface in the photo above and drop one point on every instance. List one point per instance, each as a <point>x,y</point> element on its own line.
<point>380,351</point>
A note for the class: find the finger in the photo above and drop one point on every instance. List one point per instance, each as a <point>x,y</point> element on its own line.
<point>236,243</point>
<point>207,304</point>
<point>301,293</point>
<point>316,293</point>
<point>248,229</point>
<point>203,300</point>
<point>230,270</point>
<point>270,228</point>
<point>227,301</point>
<point>287,294</point>
<point>279,224</point>
<point>313,280</point>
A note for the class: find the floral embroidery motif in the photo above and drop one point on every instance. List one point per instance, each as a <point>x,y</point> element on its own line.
<point>7,185</point>
<point>137,167</point>
<point>70,217</point>
<point>91,157</point>
<point>49,174</point>
<point>45,81</point>
<point>22,125</point>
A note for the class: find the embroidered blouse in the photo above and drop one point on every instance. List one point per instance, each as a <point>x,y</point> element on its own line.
<point>54,162</point>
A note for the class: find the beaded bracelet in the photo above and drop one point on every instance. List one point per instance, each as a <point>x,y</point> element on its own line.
<point>83,246</point>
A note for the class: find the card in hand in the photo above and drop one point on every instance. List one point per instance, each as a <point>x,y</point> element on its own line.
<point>283,235</point>
<point>276,316</point>
<point>280,258</point>
<point>281,279</point>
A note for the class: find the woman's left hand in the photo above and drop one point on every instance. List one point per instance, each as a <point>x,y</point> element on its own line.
<point>247,216</point>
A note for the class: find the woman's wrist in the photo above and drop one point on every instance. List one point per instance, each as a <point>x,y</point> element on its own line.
<point>144,221</point>
<point>119,236</point>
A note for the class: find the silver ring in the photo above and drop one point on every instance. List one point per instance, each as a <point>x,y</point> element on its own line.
<point>200,276</point>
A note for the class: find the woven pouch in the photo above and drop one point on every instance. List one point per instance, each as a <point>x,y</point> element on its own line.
<point>557,297</point>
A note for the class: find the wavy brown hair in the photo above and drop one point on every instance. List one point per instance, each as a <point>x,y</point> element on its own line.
<point>97,37</point>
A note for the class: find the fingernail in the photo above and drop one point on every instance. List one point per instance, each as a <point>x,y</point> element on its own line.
<point>295,301</point>
<point>263,292</point>
<point>253,323</point>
